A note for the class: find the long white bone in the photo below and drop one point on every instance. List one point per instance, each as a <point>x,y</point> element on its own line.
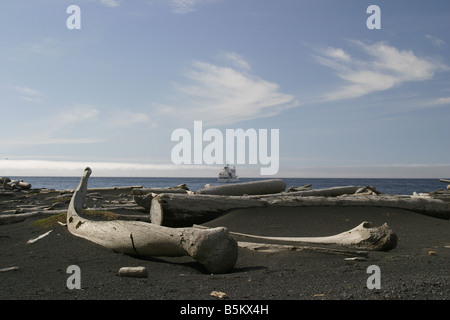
<point>213,248</point>
<point>364,236</point>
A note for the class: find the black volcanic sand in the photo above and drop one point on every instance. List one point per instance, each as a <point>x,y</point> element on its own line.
<point>407,272</point>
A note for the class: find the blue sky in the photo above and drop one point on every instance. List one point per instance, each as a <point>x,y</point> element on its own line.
<point>348,101</point>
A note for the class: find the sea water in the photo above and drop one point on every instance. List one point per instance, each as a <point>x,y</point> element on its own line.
<point>388,186</point>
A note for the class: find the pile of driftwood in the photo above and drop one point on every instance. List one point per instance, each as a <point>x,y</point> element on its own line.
<point>175,214</point>
<point>7,183</point>
<point>175,207</point>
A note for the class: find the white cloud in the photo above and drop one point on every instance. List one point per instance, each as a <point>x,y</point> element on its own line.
<point>99,168</point>
<point>45,47</point>
<point>222,95</point>
<point>77,113</point>
<point>440,101</point>
<point>435,40</point>
<point>126,118</point>
<point>29,94</point>
<point>110,3</point>
<point>57,128</point>
<point>337,53</point>
<point>384,68</point>
<point>186,6</point>
<point>45,140</point>
<point>236,60</point>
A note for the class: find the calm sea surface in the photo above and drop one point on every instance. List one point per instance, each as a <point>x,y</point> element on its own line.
<point>389,186</point>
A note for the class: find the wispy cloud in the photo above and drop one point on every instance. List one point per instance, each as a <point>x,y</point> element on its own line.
<point>126,118</point>
<point>76,113</point>
<point>186,6</point>
<point>99,168</point>
<point>222,95</point>
<point>385,67</point>
<point>236,60</point>
<point>440,101</point>
<point>45,47</point>
<point>39,140</point>
<point>29,94</point>
<point>57,129</point>
<point>435,40</point>
<point>110,3</point>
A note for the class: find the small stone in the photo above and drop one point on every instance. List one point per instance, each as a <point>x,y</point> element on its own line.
<point>355,259</point>
<point>218,294</point>
<point>133,272</point>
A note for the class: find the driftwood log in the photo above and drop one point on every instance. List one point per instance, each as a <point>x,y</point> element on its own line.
<point>143,197</point>
<point>185,210</point>
<point>272,247</point>
<point>213,248</point>
<point>182,210</point>
<point>332,192</point>
<point>246,188</point>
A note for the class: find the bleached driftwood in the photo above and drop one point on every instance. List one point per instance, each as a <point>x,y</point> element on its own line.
<point>9,269</point>
<point>332,192</point>
<point>213,248</point>
<point>19,217</point>
<point>364,237</point>
<point>38,238</point>
<point>106,190</point>
<point>143,197</point>
<point>250,188</point>
<point>430,207</point>
<point>271,247</point>
<point>15,184</point>
<point>14,218</point>
<point>181,210</point>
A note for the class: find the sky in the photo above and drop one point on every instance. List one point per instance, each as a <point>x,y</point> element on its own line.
<point>108,85</point>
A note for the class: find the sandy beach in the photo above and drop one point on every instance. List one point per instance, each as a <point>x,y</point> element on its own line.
<point>417,269</point>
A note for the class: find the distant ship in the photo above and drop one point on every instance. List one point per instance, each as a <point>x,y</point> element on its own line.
<point>228,174</point>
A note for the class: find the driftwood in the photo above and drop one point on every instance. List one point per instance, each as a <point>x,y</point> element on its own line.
<point>14,218</point>
<point>250,188</point>
<point>106,190</point>
<point>271,247</point>
<point>332,192</point>
<point>19,217</point>
<point>213,248</point>
<point>9,269</point>
<point>143,197</point>
<point>181,210</point>
<point>7,183</point>
<point>38,238</point>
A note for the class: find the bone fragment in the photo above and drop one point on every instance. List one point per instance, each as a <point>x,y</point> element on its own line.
<point>38,238</point>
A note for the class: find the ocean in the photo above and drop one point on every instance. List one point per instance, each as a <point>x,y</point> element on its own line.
<point>388,186</point>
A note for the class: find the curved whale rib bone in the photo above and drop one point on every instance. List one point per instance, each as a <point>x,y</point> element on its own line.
<point>364,237</point>
<point>214,248</point>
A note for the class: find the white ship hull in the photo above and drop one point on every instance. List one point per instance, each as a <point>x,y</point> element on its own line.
<point>228,175</point>
<point>228,179</point>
